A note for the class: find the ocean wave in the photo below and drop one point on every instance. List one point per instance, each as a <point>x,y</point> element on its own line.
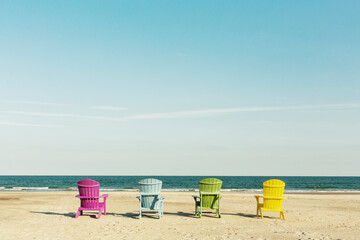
<point>34,189</point>
<point>119,189</point>
<point>26,188</point>
<point>320,187</point>
<point>234,190</point>
<point>63,188</point>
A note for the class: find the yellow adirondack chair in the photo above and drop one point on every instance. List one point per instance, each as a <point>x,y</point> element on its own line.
<point>273,191</point>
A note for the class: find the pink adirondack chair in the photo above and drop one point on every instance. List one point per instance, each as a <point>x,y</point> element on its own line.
<point>89,197</point>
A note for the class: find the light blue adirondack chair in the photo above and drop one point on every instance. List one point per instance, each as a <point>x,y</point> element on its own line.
<point>150,198</point>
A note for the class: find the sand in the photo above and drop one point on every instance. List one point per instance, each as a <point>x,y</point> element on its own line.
<point>50,215</point>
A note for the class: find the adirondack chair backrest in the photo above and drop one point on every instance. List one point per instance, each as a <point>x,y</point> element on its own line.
<point>273,191</point>
<point>89,188</point>
<point>150,190</point>
<point>210,186</point>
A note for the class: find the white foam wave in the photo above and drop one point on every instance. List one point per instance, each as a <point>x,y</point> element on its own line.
<point>234,190</point>
<point>29,188</point>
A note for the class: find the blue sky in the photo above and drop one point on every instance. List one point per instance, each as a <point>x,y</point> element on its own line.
<point>185,88</point>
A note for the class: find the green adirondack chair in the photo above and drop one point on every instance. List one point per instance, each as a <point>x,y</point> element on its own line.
<point>209,190</point>
<point>150,198</point>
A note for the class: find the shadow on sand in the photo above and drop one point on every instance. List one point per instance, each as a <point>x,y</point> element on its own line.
<point>153,215</point>
<point>72,214</point>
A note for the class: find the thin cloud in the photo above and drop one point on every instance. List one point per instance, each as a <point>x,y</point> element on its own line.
<point>28,124</point>
<point>211,112</point>
<point>192,114</point>
<point>35,103</point>
<point>64,115</point>
<point>110,108</point>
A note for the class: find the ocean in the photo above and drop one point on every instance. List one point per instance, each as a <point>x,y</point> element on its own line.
<point>180,183</point>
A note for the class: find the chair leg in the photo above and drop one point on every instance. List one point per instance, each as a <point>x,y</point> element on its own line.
<point>219,207</point>
<point>140,214</point>
<point>282,215</point>
<point>77,214</point>
<point>257,210</point>
<point>261,213</point>
<point>99,215</point>
<point>162,209</point>
<point>104,209</point>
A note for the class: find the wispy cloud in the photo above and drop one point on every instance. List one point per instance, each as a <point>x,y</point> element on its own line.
<point>35,103</point>
<point>191,114</point>
<point>29,124</point>
<point>110,108</point>
<point>64,115</point>
<point>211,112</point>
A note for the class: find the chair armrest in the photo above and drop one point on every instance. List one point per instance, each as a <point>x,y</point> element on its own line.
<point>104,196</point>
<point>149,194</point>
<point>258,199</point>
<point>210,193</point>
<point>274,198</point>
<point>195,197</point>
<point>83,197</point>
<point>138,197</point>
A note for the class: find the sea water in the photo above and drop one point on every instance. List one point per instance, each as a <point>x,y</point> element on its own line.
<point>180,183</point>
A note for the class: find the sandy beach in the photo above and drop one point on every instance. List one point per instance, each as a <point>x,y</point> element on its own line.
<point>50,215</point>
